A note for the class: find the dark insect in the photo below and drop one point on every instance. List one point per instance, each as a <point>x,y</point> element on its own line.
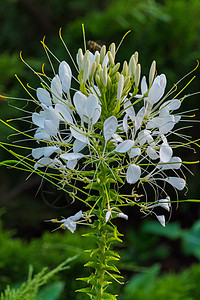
<point>93,46</point>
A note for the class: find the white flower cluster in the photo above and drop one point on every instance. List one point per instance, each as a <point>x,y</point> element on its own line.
<point>108,112</point>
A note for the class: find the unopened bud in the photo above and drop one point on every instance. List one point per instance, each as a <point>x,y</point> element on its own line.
<point>136,57</point>
<point>109,82</point>
<point>125,68</point>
<point>105,73</point>
<point>97,79</point>
<point>137,75</point>
<point>126,81</point>
<point>120,87</point>
<point>112,50</point>
<point>115,69</point>
<point>86,71</point>
<point>85,58</point>
<point>93,69</point>
<point>111,60</point>
<point>102,53</point>
<point>131,66</point>
<point>117,75</point>
<point>152,72</point>
<point>79,57</point>
<point>97,58</point>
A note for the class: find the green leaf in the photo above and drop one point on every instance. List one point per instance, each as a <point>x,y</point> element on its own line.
<point>108,296</point>
<point>51,292</point>
<point>171,231</point>
<point>87,290</point>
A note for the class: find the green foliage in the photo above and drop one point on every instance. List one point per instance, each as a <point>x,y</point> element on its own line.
<point>29,289</point>
<point>190,238</point>
<point>153,286</point>
<point>16,255</point>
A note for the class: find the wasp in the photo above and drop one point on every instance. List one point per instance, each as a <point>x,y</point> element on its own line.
<point>93,46</point>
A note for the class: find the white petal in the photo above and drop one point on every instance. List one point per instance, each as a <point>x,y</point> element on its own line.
<point>91,104</point>
<point>105,61</point>
<point>129,110</point>
<point>152,153</point>
<point>161,219</point>
<point>165,203</point>
<point>41,134</point>
<point>65,74</point>
<point>38,119</point>
<point>125,123</point>
<point>71,155</point>
<point>44,96</point>
<point>71,164</point>
<point>154,123</point>
<point>63,113</point>
<point>56,89</point>
<point>167,125</point>
<point>80,103</point>
<point>144,87</point>
<point>77,216</point>
<point>79,134</point>
<point>174,163</point>
<point>165,152</point>
<point>144,136</point>
<point>123,216</point>
<point>50,150</point>
<point>43,162</point>
<point>51,127</point>
<point>97,114</point>
<point>135,152</point>
<point>171,104</point>
<point>108,214</point>
<point>117,138</point>
<point>38,152</point>
<point>78,146</point>
<point>133,174</point>
<point>139,118</point>
<point>109,126</point>
<point>177,182</point>
<point>155,93</point>
<point>124,146</point>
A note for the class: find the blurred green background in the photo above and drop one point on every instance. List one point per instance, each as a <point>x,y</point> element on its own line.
<point>167,31</point>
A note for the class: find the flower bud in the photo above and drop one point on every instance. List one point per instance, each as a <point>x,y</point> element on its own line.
<point>97,58</point>
<point>111,59</point>
<point>136,57</point>
<point>85,58</point>
<point>126,81</point>
<point>131,66</point>
<point>137,75</point>
<point>125,68</point>
<point>152,72</point>
<point>120,87</point>
<point>102,53</point>
<point>115,69</point>
<point>109,82</point>
<point>79,57</point>
<point>112,50</point>
<point>86,71</point>
<point>92,71</point>
<point>117,75</point>
<point>105,71</point>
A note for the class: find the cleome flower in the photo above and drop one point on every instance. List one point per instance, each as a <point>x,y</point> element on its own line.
<point>107,123</point>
